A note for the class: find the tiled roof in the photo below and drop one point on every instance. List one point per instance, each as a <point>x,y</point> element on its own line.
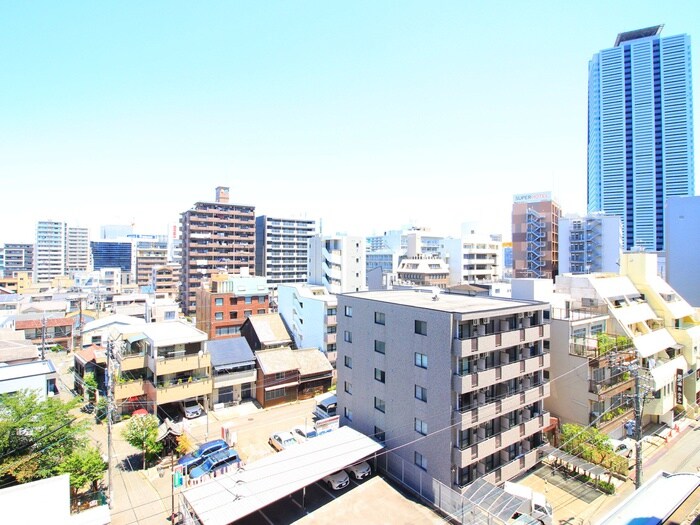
<point>270,328</point>
<point>312,361</point>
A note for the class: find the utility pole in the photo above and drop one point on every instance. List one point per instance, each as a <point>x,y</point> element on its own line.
<point>110,407</point>
<point>637,427</point>
<point>43,336</point>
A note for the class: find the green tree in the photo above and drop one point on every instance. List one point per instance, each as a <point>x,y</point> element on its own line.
<point>85,467</point>
<point>90,385</point>
<point>141,432</point>
<point>184,444</point>
<point>36,436</point>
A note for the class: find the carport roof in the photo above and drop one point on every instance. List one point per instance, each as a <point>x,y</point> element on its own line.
<point>232,496</point>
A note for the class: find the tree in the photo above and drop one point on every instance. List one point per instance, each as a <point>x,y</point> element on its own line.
<point>90,385</point>
<point>184,444</point>
<point>37,436</point>
<point>85,466</point>
<point>142,432</point>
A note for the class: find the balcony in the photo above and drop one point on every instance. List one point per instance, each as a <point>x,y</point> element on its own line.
<point>330,338</point>
<point>616,420</point>
<point>612,386</point>
<point>487,377</point>
<point>504,339</point>
<point>172,365</point>
<point>477,413</point>
<point>131,360</point>
<point>466,455</point>
<point>129,389</point>
<point>171,392</point>
<point>235,378</point>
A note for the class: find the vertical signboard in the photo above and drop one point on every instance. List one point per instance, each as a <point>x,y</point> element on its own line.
<point>679,386</point>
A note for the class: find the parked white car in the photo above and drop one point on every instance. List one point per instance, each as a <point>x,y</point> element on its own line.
<point>337,481</point>
<point>281,440</point>
<point>304,433</point>
<point>191,408</point>
<point>360,471</point>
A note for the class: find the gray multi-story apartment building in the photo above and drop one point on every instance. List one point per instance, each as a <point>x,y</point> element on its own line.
<point>217,237</point>
<point>282,249</point>
<point>453,384</point>
<point>17,258</point>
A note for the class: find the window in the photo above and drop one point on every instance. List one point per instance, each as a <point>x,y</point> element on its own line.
<point>348,413</point>
<point>275,394</point>
<point>233,301</point>
<point>331,347</point>
<point>348,387</point>
<point>421,360</point>
<point>247,313</point>
<point>219,301</point>
<point>379,317</point>
<point>261,310</point>
<point>348,311</point>
<point>379,346</point>
<point>279,375</point>
<point>331,329</point>
<point>169,316</point>
<point>347,337</point>
<point>248,300</point>
<point>228,330</point>
<point>261,299</point>
<point>380,375</point>
<point>420,426</point>
<point>379,404</point>
<point>233,315</point>
<point>379,434</point>
<point>420,460</point>
<point>348,361</point>
<point>219,316</point>
<point>332,311</point>
<point>421,327</point>
<point>421,393</point>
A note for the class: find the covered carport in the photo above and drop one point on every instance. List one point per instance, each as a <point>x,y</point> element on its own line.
<point>234,495</point>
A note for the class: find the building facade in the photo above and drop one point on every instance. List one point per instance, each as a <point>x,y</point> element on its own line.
<point>338,263</point>
<point>454,385</point>
<point>683,246</point>
<point>166,279</point>
<point>590,244</point>
<point>49,251</point>
<point>150,253</point>
<point>77,249</point>
<point>223,305</point>
<point>474,259</point>
<point>17,257</point>
<point>535,235</point>
<point>640,131</point>
<point>112,254</point>
<point>424,271</point>
<point>282,249</point>
<point>216,237</point>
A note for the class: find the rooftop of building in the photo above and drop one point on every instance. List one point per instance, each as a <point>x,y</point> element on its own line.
<point>270,328</point>
<point>277,360</point>
<point>173,332</point>
<point>230,351</point>
<point>38,323</point>
<point>21,370</point>
<point>312,361</point>
<point>452,303</point>
<point>114,319</point>
<point>16,350</point>
<point>636,34</point>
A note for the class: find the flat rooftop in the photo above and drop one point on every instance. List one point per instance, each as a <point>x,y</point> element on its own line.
<point>451,303</point>
<point>35,368</point>
<point>638,33</point>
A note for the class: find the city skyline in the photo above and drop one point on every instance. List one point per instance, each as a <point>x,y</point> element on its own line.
<point>365,117</point>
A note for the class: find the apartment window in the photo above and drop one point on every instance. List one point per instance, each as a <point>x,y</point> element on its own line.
<point>261,299</point>
<point>275,394</point>
<point>233,301</point>
<point>348,311</point>
<point>169,316</point>
<point>348,413</point>
<point>247,313</point>
<point>331,329</point>
<point>348,387</point>
<point>332,311</point>
<point>421,393</point>
<point>596,329</point>
<point>379,346</point>
<point>421,327</point>
<point>248,300</point>
<point>348,361</point>
<point>279,375</point>
<point>261,311</point>
<point>379,434</point>
<point>380,375</point>
<point>420,460</point>
<point>228,330</point>
<point>347,337</point>
<point>331,347</point>
<point>379,404</point>
<point>420,360</point>
<point>420,426</point>
<point>219,301</point>
<point>219,316</point>
<point>379,317</point>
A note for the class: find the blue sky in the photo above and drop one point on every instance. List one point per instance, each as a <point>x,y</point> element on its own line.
<point>369,115</point>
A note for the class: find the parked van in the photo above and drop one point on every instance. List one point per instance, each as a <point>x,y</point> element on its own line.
<point>326,406</point>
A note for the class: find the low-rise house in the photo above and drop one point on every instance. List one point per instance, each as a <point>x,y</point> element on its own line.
<point>278,376</point>
<point>266,331</point>
<point>92,359</point>
<point>233,371</point>
<point>97,332</point>
<point>58,331</point>
<point>315,372</point>
<point>39,376</point>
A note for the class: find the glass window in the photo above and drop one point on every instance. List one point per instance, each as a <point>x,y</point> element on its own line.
<point>421,360</point>
<point>348,387</point>
<point>332,311</point>
<point>348,311</point>
<point>380,375</point>
<point>219,316</point>
<point>247,313</point>
<point>261,310</point>
<point>348,413</point>
<point>420,460</point>
<point>379,434</point>
<point>347,337</point>
<point>421,393</point>
<point>248,300</point>
<point>421,327</point>
<point>379,404</point>
<point>348,361</point>
<point>379,317</point>
<point>420,426</point>
<point>219,301</point>
<point>379,346</point>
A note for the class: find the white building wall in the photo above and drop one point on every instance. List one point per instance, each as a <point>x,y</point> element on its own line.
<point>50,251</point>
<point>683,246</point>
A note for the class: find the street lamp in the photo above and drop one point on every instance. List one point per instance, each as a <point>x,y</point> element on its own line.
<point>161,473</point>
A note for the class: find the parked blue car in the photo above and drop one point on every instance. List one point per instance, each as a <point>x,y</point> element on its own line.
<point>216,461</point>
<point>196,458</point>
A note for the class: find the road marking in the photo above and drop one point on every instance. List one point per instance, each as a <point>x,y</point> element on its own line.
<point>323,488</point>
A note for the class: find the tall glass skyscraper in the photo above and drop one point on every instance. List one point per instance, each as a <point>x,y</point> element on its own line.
<point>640,131</point>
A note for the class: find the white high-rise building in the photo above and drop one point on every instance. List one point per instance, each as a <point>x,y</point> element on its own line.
<point>338,263</point>
<point>50,251</point>
<point>590,244</point>
<point>77,249</point>
<point>282,249</point>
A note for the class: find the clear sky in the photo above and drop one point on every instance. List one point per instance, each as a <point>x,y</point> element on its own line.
<point>369,115</point>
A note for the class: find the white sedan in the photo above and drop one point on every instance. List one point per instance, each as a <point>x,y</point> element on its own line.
<point>360,471</point>
<point>281,440</point>
<point>337,481</point>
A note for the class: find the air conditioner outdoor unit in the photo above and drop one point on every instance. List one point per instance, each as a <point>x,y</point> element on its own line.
<point>475,322</point>
<point>485,320</point>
